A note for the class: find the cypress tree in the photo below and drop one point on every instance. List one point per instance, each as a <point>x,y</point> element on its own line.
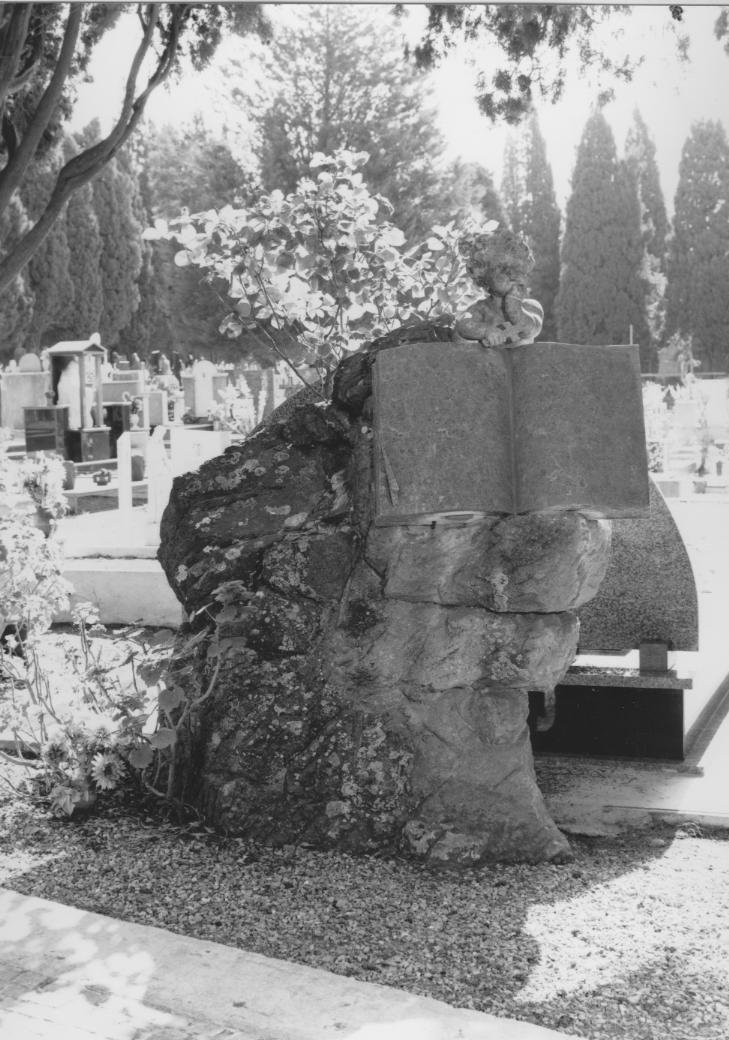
<point>138,334</point>
<point>697,302</point>
<point>16,301</point>
<point>512,179</point>
<point>84,243</point>
<point>531,206</point>
<point>121,257</point>
<point>640,156</point>
<point>602,288</point>
<point>470,192</point>
<point>49,270</point>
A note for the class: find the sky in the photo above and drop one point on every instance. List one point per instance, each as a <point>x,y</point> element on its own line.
<point>670,94</point>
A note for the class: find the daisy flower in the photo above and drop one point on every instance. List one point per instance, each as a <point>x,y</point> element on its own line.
<point>106,770</point>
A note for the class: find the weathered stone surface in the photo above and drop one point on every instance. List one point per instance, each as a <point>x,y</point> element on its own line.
<point>649,591</point>
<point>372,693</point>
<point>222,518</point>
<point>530,563</point>
<point>438,648</point>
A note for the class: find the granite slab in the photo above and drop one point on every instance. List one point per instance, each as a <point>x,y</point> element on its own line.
<point>626,677</point>
<point>649,591</point>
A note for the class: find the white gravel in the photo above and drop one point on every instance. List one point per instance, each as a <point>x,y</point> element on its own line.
<point>629,940</point>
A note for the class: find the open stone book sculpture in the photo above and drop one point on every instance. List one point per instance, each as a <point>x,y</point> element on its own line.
<point>507,426</point>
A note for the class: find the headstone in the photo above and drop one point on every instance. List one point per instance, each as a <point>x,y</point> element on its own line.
<point>649,591</point>
<point>159,476</point>
<point>124,472</point>
<point>114,390</point>
<point>29,363</point>
<point>157,414</point>
<point>465,430</point>
<point>190,447</point>
<point>21,390</point>
<point>204,391</point>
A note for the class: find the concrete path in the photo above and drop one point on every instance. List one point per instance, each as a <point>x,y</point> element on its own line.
<point>67,974</point>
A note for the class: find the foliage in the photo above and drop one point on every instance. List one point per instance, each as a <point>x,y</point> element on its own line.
<point>16,299</point>
<point>697,304</point>
<point>42,476</point>
<point>101,720</point>
<point>188,167</point>
<point>120,229</point>
<point>45,49</point>
<point>49,271</point>
<point>33,588</point>
<point>85,247</point>
<point>602,290</point>
<point>324,263</point>
<point>325,87</point>
<point>193,169</point>
<point>535,40</point>
<point>640,156</point>
<point>472,195</point>
<point>82,721</point>
<point>532,211</point>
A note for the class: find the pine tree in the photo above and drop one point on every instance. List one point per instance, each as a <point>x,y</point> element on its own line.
<point>188,167</point>
<point>602,290</point>
<point>49,271</point>
<point>531,205</point>
<point>16,302</point>
<point>697,302</point>
<point>327,87</point>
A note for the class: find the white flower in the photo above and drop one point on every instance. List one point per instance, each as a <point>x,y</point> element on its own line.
<point>106,770</point>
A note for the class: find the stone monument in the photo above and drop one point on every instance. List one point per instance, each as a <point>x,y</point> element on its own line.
<point>382,636</point>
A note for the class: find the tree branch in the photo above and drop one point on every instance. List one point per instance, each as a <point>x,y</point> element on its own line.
<point>83,167</point>
<point>12,175</point>
<point>12,41</point>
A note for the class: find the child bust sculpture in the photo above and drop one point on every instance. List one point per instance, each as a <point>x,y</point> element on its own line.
<point>500,264</point>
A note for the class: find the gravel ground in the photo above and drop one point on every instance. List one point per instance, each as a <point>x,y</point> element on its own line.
<point>629,940</point>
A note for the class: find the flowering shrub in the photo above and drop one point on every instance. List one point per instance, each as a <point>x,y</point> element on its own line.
<point>42,477</point>
<point>323,263</point>
<point>73,727</point>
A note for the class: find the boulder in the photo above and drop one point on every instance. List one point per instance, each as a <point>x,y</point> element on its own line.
<point>374,694</point>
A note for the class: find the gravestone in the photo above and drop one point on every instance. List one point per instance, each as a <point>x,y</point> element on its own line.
<point>189,448</point>
<point>649,591</point>
<point>648,603</point>
<point>29,363</point>
<point>21,390</point>
<point>373,678</point>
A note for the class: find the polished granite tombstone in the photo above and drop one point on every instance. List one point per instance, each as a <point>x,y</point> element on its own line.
<point>647,601</point>
<point>648,592</point>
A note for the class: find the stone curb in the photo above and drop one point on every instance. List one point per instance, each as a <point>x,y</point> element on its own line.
<point>72,973</point>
